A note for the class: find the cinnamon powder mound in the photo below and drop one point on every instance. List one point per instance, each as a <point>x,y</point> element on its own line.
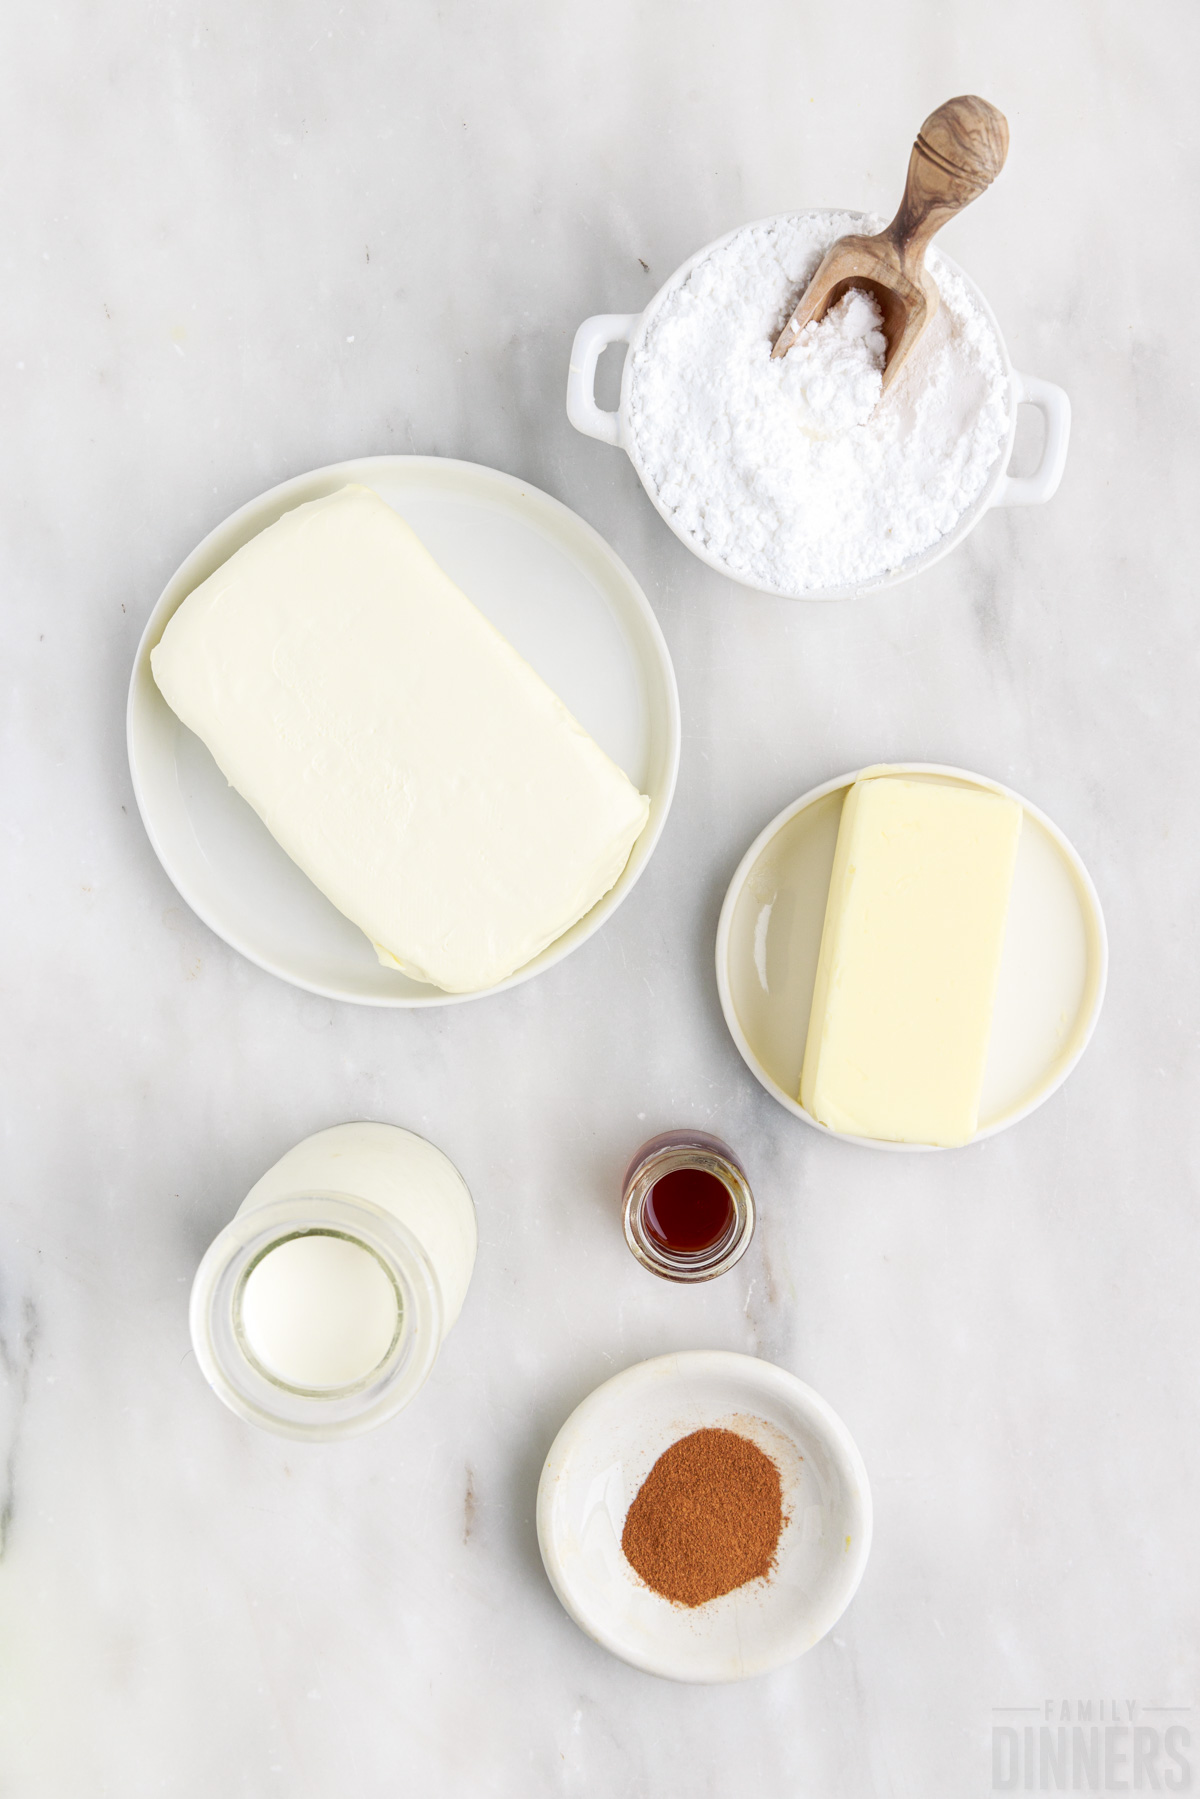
<point>706,1519</point>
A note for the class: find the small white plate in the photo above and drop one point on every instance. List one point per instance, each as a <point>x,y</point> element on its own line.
<point>545,579</point>
<point>1052,974</point>
<point>606,1449</point>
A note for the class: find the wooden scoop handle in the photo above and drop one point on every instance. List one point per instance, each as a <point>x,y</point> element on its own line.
<point>960,149</point>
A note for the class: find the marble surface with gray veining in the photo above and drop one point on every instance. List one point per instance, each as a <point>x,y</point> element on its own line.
<point>245,239</point>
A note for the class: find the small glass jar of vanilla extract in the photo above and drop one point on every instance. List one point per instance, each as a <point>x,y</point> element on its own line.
<point>688,1208</point>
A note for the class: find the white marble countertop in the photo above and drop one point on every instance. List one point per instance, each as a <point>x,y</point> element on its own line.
<point>241,241</point>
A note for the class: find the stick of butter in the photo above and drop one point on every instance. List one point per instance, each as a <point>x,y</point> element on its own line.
<point>396,745</point>
<point>910,955</point>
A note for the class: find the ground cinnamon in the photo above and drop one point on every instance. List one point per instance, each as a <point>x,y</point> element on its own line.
<point>706,1519</point>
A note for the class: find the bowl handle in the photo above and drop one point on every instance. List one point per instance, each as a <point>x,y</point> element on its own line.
<point>1055,408</point>
<point>592,337</point>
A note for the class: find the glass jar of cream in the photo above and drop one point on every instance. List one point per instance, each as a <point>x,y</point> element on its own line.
<point>320,1309</point>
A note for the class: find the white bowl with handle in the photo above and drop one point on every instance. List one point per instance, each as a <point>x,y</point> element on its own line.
<point>1001,489</point>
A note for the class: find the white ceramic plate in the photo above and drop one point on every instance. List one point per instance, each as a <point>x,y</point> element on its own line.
<point>606,1449</point>
<point>1052,974</point>
<point>545,579</point>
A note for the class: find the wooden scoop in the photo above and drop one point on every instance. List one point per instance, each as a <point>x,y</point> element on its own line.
<point>959,151</point>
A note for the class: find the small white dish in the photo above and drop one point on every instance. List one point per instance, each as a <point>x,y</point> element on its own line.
<point>559,594</point>
<point>604,1452</point>
<point>1001,489</point>
<point>1052,974</point>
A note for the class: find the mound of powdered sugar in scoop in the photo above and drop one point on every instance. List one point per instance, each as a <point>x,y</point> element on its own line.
<point>793,473</point>
<point>833,374</point>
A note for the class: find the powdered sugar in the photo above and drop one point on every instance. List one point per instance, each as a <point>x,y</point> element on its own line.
<point>787,471</point>
<point>833,374</point>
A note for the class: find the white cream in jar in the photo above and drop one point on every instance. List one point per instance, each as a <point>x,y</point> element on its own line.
<point>319,1311</point>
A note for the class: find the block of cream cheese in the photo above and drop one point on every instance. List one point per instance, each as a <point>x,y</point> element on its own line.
<point>396,745</point>
<point>910,955</point>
